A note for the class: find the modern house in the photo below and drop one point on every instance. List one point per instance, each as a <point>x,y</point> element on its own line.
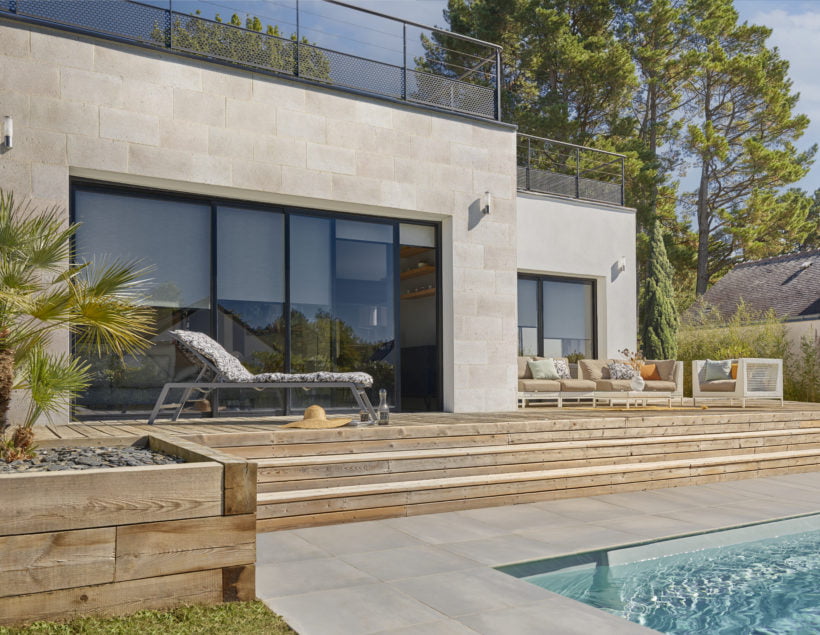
<point>343,197</point>
<point>789,285</point>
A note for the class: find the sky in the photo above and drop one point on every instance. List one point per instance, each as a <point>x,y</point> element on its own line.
<point>795,28</point>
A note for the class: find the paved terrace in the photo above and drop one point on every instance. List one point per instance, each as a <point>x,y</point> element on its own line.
<point>226,423</point>
<point>434,574</point>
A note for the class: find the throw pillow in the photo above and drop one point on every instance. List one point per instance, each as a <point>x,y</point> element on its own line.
<point>650,372</point>
<point>562,368</point>
<point>543,369</point>
<point>620,370</point>
<point>717,370</point>
<point>734,370</point>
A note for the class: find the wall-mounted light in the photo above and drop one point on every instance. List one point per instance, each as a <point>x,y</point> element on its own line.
<point>8,132</point>
<point>486,203</point>
<point>622,263</point>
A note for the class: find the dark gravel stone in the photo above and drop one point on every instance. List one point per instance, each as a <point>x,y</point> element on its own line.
<point>62,459</point>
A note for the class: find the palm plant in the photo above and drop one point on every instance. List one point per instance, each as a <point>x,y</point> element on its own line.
<point>43,293</point>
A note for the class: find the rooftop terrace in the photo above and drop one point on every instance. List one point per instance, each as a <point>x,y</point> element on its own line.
<point>328,43</point>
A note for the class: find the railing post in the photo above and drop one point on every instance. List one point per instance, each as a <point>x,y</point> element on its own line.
<point>498,87</point>
<point>404,61</point>
<point>170,24</point>
<point>529,162</point>
<point>577,172</point>
<point>298,38</point>
<point>623,183</point>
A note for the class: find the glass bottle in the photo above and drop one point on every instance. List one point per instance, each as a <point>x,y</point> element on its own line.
<point>383,409</point>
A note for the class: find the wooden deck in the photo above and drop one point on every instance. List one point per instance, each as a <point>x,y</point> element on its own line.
<point>433,462</point>
<point>228,424</point>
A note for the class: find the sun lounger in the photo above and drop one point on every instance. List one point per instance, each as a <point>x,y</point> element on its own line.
<point>226,371</point>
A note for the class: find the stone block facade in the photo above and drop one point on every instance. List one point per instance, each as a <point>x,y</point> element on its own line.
<point>94,109</point>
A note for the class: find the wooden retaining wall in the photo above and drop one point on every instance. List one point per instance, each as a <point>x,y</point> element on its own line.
<point>115,541</point>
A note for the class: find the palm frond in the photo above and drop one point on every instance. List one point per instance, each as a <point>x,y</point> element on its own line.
<point>53,380</point>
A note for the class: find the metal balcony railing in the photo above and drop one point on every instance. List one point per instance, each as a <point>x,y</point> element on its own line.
<point>554,167</point>
<point>327,42</point>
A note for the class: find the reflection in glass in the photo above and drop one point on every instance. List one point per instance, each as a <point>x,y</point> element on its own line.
<point>567,318</point>
<point>251,299</point>
<point>419,319</point>
<point>527,317</point>
<point>173,238</point>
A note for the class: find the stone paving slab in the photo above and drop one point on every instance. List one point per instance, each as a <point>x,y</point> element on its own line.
<point>433,574</point>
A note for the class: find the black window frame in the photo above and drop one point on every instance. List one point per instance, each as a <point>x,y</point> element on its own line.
<point>214,202</point>
<point>539,290</point>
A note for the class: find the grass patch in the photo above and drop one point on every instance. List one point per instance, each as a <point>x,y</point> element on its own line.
<point>234,618</point>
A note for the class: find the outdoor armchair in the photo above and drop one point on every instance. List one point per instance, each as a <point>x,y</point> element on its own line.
<point>755,378</point>
<point>226,371</point>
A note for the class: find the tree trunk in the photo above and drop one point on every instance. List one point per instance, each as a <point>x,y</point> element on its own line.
<point>6,382</point>
<point>703,231</point>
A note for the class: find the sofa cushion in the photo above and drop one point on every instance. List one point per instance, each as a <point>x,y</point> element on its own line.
<point>523,369</point>
<point>718,385</point>
<point>734,370</point>
<point>660,385</point>
<point>620,370</point>
<point>666,368</point>
<point>542,369</point>
<point>613,385</point>
<point>718,369</point>
<point>577,385</point>
<point>538,385</point>
<point>593,369</point>
<point>650,372</point>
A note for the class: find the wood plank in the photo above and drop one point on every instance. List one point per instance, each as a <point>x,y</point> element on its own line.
<point>54,501</point>
<point>239,583</point>
<point>117,598</point>
<point>33,563</point>
<point>155,549</point>
<point>239,479</point>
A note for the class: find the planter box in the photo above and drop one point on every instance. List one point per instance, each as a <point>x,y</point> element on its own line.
<point>115,541</point>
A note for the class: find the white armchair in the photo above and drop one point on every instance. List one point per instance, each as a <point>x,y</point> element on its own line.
<point>757,378</point>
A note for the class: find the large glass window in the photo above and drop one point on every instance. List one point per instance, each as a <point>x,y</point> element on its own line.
<point>292,290</point>
<point>556,316</point>
<point>250,291</point>
<point>173,239</point>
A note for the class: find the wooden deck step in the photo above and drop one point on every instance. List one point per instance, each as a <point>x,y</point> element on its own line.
<point>299,508</point>
<point>303,472</point>
<point>288,443</point>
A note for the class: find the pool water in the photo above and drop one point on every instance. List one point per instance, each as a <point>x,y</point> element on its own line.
<point>763,586</point>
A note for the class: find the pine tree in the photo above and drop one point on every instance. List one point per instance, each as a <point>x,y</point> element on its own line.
<point>659,316</point>
<point>742,141</point>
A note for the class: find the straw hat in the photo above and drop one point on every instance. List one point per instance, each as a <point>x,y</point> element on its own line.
<point>315,417</point>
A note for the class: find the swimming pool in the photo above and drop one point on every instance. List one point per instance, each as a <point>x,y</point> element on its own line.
<point>761,579</point>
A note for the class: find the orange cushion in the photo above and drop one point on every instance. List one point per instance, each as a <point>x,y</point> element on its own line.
<point>734,370</point>
<point>650,372</point>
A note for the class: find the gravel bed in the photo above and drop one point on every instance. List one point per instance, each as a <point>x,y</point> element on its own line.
<point>63,459</point>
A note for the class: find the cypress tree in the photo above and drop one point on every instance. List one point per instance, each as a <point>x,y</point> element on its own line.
<point>659,317</point>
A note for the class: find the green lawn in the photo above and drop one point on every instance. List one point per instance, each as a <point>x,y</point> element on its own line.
<point>235,617</point>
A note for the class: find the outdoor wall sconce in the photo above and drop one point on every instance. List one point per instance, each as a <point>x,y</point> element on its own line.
<point>8,132</point>
<point>486,203</point>
<point>621,264</point>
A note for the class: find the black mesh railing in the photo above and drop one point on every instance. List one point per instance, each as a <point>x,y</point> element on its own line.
<point>546,166</point>
<point>329,42</point>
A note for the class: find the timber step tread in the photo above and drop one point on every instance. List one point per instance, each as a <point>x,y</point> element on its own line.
<point>268,498</point>
<point>399,432</point>
<point>438,452</point>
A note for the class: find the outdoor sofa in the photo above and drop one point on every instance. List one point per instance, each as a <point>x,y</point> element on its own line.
<point>741,379</point>
<point>220,369</point>
<point>591,380</point>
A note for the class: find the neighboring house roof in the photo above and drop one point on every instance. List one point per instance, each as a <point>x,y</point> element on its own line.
<point>788,284</point>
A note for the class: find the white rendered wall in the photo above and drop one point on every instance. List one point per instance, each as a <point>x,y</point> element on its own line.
<point>122,114</point>
<point>586,240</point>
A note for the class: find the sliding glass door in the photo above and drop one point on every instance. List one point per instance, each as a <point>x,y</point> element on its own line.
<point>282,289</point>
